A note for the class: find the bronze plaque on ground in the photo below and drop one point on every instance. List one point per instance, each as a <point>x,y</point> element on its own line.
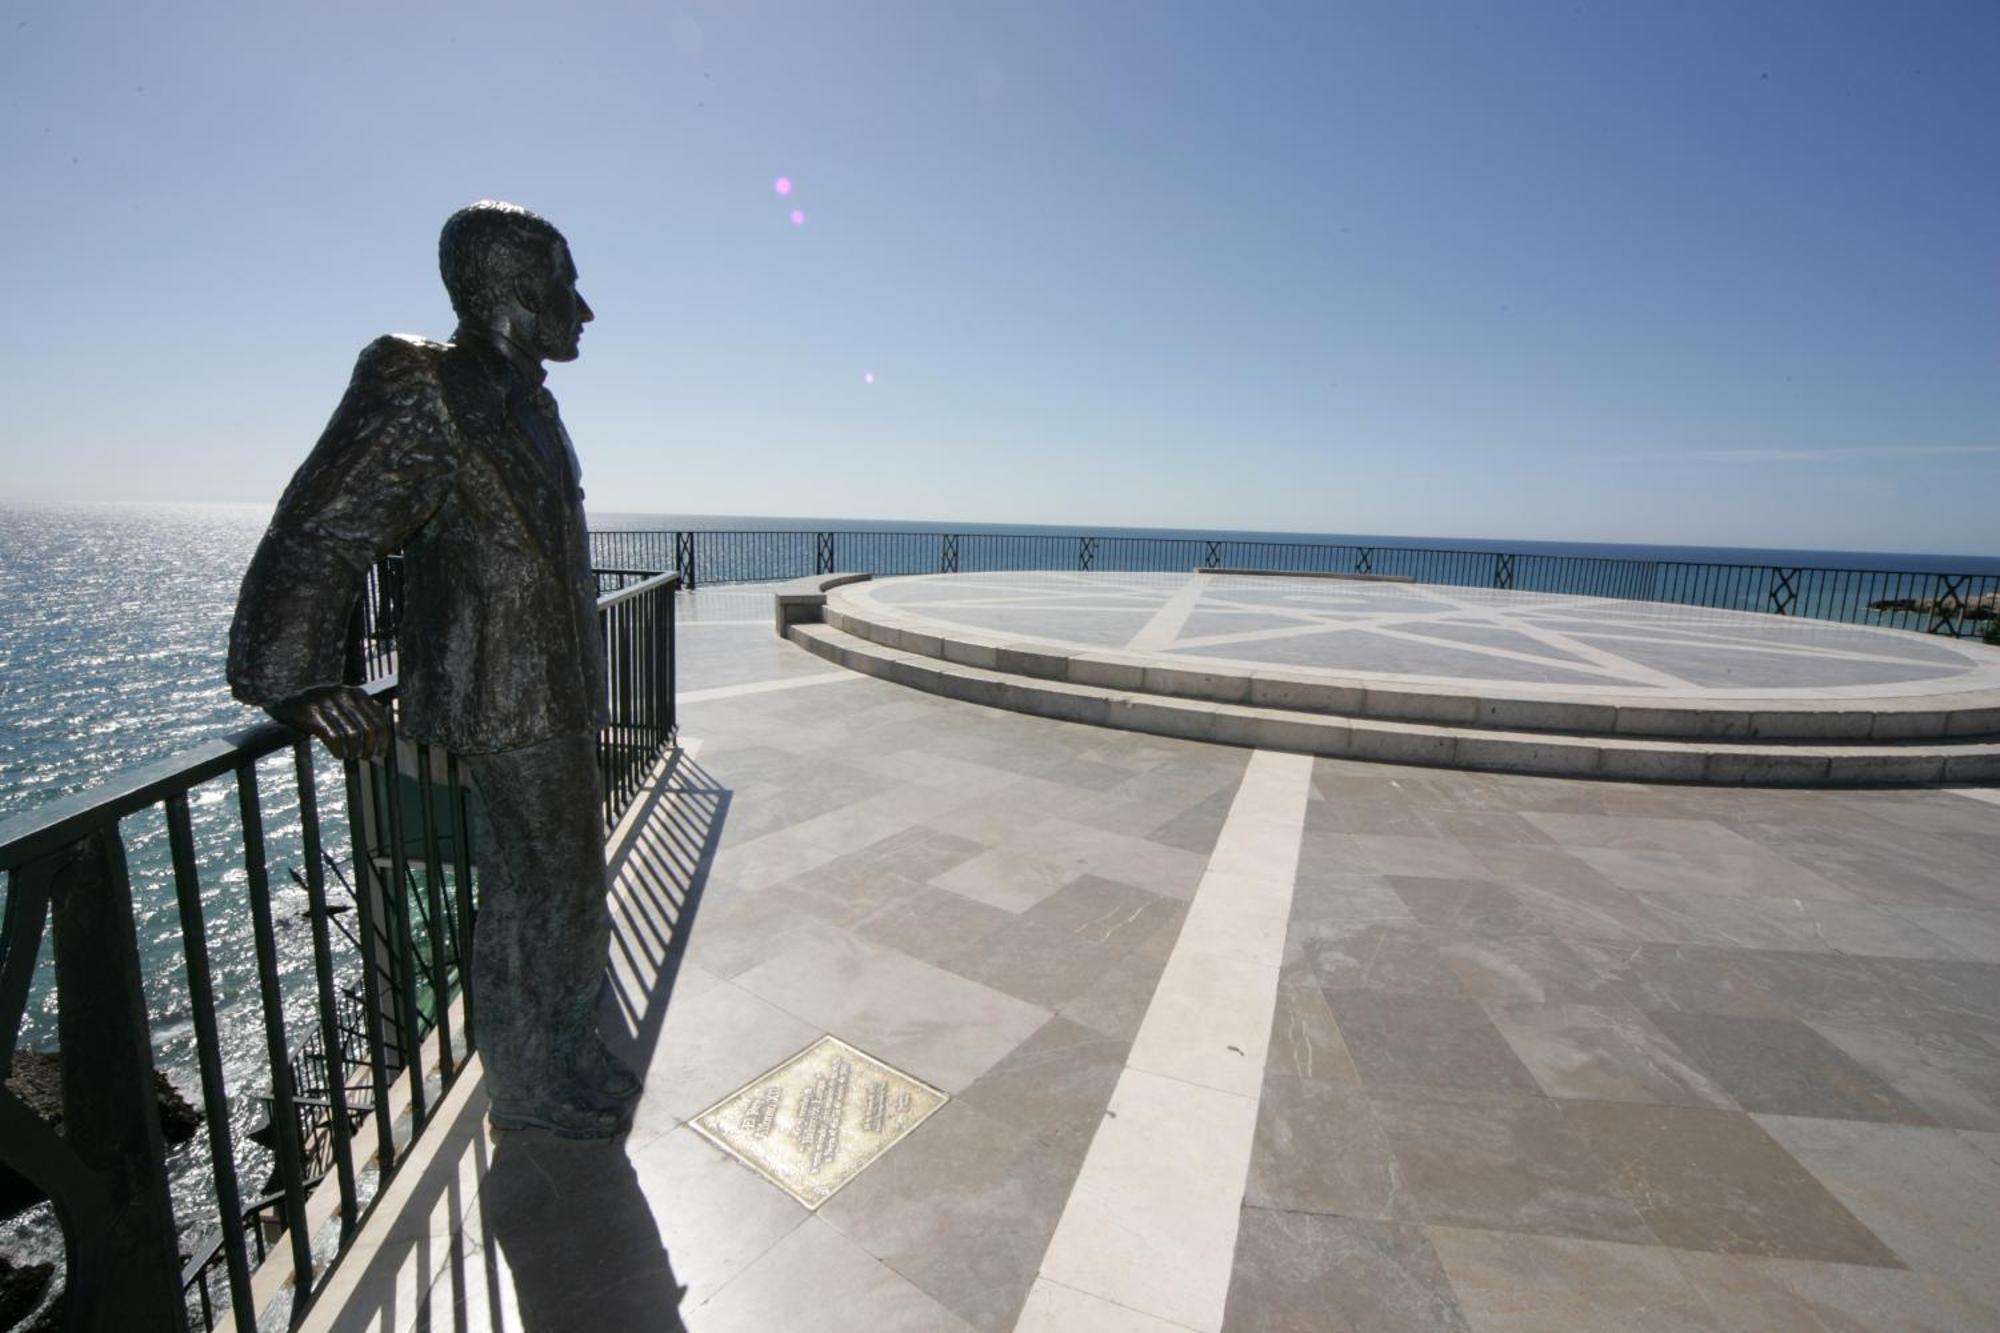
<point>819,1119</point>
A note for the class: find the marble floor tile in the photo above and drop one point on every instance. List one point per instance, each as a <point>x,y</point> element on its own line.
<point>1083,850</point>
<point>715,1216</point>
<point>1751,983</point>
<point>1054,1308</point>
<point>1304,1273</point>
<point>1384,817</point>
<point>1426,1042</point>
<point>817,1278</point>
<point>932,924</point>
<point>1971,933</point>
<point>1501,1162</point>
<point>1386,854</point>
<point>1784,1067</point>
<point>1345,899</point>
<point>1319,1150</point>
<point>1385,957</point>
<point>1757,872</point>
<point>1115,1004</point>
<point>1054,1085</point>
<point>1007,878</point>
<point>1926,1192</point>
<point>1209,1022</point>
<point>1737,921</point>
<point>1305,1039</point>
<point>941,1027</point>
<point>1599,1053</point>
<point>1481,826</point>
<point>1512,1283</point>
<point>964,1208</point>
<point>709,1045</point>
<point>1193,829</point>
<point>1478,907</point>
<point>1151,1220</point>
<point>1714,1180</point>
<point>1695,837</point>
<point>1057,949</point>
<point>1526,969</point>
<point>735,927</point>
<point>1241,916</point>
<point>1953,1076</point>
<point>1799,1296</point>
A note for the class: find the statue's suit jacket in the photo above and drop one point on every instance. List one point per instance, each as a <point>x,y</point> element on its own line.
<point>451,454</point>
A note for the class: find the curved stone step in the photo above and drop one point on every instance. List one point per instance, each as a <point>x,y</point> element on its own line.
<point>1722,763</point>
<point>1970,715</point>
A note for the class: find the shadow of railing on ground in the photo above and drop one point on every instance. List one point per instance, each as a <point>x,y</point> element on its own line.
<point>528,1231</point>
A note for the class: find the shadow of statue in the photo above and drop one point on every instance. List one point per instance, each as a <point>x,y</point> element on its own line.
<point>567,1239</point>
<point>578,1241</point>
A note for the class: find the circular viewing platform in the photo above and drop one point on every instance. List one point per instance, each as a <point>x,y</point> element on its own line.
<point>1465,677</point>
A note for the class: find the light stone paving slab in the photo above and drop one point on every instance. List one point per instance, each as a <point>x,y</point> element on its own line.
<point>940,1026</point>
<point>1054,1308</point>
<point>762,687</point>
<point>1151,1221</point>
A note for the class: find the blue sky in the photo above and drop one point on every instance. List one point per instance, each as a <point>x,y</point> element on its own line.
<point>1674,272</point>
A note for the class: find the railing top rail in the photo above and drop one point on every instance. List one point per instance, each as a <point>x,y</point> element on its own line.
<point>58,823</point>
<point>64,820</point>
<point>1378,546</point>
<point>667,582</point>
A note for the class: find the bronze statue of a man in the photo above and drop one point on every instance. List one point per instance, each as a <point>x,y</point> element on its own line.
<point>454,454</point>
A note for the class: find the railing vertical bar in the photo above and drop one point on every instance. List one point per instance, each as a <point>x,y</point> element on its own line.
<point>208,1054</point>
<point>284,1112</point>
<point>434,896</point>
<point>462,887</point>
<point>331,1039</point>
<point>409,1035</point>
<point>366,876</point>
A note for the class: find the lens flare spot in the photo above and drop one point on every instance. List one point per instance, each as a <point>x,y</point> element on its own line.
<point>798,217</point>
<point>867,377</point>
<point>783,185</point>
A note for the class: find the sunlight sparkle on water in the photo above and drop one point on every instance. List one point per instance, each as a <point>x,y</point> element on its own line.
<point>783,185</point>
<point>867,377</point>
<point>798,217</point>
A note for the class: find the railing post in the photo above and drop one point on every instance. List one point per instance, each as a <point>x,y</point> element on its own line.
<point>1784,591</point>
<point>1503,570</point>
<point>1948,605</point>
<point>1364,560</point>
<point>948,559</point>
<point>685,559</point>
<point>124,1262</point>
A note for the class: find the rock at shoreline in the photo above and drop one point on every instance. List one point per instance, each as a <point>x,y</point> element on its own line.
<point>1986,606</point>
<point>23,1288</point>
<point>37,1080</point>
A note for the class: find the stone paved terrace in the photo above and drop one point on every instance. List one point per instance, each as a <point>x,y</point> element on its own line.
<point>1247,1040</point>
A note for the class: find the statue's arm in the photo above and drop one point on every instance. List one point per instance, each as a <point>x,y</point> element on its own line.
<point>380,470</point>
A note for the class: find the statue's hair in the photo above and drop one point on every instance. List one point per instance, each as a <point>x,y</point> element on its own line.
<point>485,247</point>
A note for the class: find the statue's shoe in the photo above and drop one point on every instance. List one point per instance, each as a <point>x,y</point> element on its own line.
<point>604,1074</point>
<point>572,1113</point>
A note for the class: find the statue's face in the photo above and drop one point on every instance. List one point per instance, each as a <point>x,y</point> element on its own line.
<point>563,312</point>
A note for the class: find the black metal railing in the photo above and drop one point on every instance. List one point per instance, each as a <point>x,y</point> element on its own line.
<point>365,1037</point>
<point>1939,602</point>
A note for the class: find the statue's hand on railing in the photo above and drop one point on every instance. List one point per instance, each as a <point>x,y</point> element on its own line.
<point>353,725</point>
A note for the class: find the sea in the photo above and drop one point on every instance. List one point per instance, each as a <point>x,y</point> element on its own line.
<point>113,625</point>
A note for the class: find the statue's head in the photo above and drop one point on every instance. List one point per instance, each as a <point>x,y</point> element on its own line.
<point>509,271</point>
